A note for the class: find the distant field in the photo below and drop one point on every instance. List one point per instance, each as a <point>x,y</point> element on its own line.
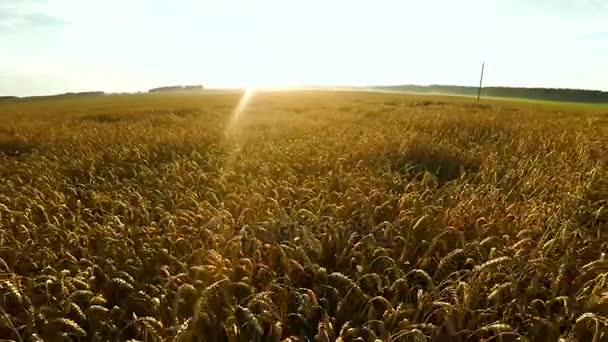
<point>540,94</point>
<point>311,214</point>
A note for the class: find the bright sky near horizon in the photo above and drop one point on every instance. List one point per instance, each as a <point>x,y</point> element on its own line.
<point>54,46</point>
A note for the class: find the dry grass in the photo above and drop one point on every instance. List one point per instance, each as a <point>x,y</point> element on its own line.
<point>318,215</point>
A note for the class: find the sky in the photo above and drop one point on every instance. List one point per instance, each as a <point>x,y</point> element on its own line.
<point>54,46</point>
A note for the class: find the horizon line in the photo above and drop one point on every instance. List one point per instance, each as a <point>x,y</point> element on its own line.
<point>293,87</point>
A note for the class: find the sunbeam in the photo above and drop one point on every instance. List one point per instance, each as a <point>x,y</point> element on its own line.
<point>233,141</point>
<point>236,115</point>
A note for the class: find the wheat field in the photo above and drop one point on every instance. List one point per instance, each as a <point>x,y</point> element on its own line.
<point>302,216</point>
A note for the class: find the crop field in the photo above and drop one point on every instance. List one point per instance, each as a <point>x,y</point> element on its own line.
<point>302,216</point>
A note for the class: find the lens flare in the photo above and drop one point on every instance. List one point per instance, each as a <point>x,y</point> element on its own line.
<point>237,114</point>
<point>235,142</point>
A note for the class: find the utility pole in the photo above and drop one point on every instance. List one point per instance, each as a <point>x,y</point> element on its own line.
<point>483,64</point>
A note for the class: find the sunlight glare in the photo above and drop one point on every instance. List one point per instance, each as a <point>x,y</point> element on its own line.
<point>240,108</point>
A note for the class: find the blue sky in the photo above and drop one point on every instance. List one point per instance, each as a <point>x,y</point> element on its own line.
<point>52,46</point>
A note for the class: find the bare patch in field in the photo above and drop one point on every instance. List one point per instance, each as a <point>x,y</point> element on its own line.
<point>14,146</point>
<point>428,103</point>
<point>422,155</point>
<point>445,162</point>
<point>102,118</point>
<point>139,116</point>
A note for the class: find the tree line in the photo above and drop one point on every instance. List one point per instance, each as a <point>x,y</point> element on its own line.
<point>176,88</point>
<point>548,94</point>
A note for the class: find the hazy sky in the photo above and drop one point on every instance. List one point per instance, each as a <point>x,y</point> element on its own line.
<point>50,46</point>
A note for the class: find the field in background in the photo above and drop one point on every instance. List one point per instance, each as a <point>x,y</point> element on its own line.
<point>540,94</point>
<point>318,215</point>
